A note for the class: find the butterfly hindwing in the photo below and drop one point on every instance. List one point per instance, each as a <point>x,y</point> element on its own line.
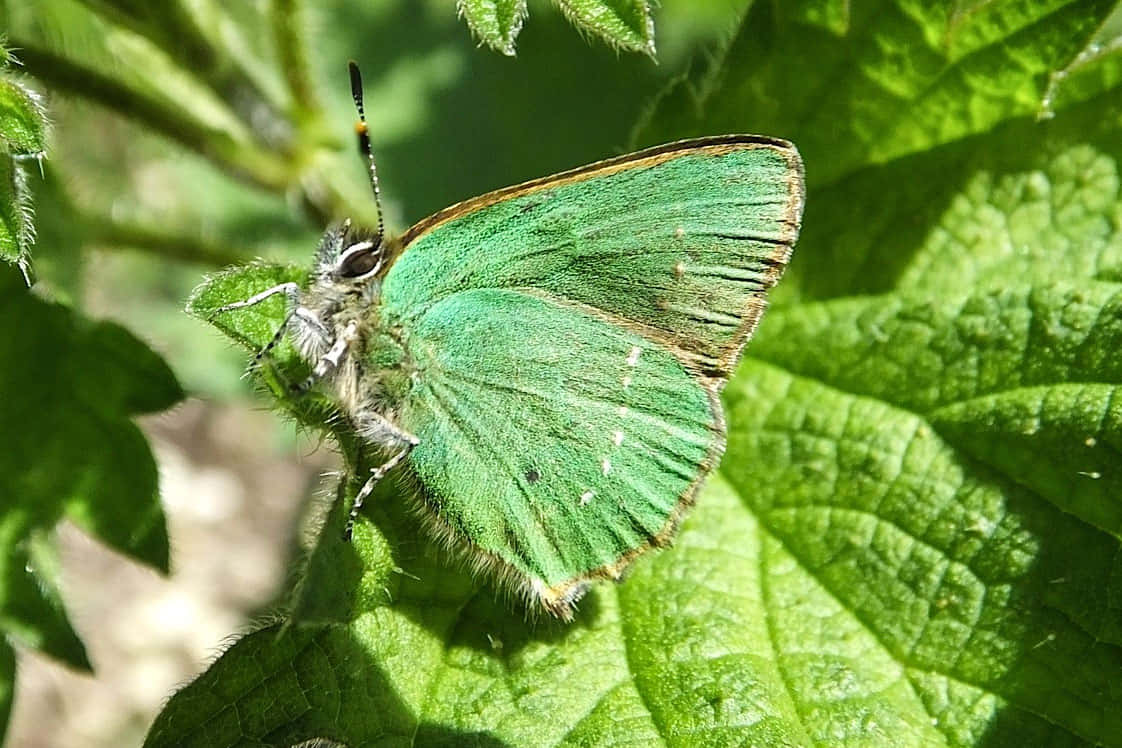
<point>680,241</point>
<point>557,444</point>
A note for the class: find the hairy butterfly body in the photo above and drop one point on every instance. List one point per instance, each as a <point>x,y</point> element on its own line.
<point>547,359</point>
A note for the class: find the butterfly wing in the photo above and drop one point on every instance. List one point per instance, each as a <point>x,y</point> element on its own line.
<point>680,241</point>
<point>557,444</point>
<point>570,337</point>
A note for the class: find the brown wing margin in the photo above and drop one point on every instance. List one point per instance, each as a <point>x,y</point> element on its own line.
<point>716,144</point>
<point>608,166</point>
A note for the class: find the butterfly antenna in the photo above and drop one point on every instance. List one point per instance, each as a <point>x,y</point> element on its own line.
<point>363,133</point>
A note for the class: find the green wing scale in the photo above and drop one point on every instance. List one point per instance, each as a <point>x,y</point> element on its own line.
<point>569,339</point>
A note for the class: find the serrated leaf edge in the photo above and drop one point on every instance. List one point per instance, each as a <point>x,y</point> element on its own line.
<point>516,27</point>
<point>25,213</point>
<point>578,21</point>
<point>39,109</point>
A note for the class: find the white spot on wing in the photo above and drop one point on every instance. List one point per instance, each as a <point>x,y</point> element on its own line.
<point>626,382</point>
<point>617,438</point>
<point>606,466</point>
<point>586,497</point>
<point>633,357</point>
<point>622,411</point>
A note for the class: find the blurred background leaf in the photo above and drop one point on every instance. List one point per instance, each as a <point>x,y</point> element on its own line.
<point>68,392</point>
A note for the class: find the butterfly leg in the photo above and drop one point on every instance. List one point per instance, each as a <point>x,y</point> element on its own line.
<point>380,429</point>
<point>307,318</point>
<point>309,331</point>
<point>290,290</point>
<point>310,327</point>
<point>329,362</point>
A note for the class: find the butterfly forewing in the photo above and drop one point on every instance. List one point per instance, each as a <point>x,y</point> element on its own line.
<point>681,241</point>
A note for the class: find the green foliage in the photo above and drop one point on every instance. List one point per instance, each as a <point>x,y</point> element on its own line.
<point>913,537</point>
<point>22,135</point>
<point>496,22</point>
<point>252,326</point>
<point>67,397</point>
<point>22,126</point>
<point>16,228</point>
<point>625,24</point>
<point>7,684</point>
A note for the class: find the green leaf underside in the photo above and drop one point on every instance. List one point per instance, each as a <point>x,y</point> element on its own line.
<point>22,127</point>
<point>913,536</point>
<point>495,22</point>
<point>83,380</point>
<point>622,23</point>
<point>252,327</point>
<point>16,228</point>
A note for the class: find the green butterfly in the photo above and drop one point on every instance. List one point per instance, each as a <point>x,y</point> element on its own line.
<point>546,360</point>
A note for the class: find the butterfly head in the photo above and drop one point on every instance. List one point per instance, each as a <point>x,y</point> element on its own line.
<point>346,256</point>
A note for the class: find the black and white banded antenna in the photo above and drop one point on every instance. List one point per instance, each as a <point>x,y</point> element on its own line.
<point>363,133</point>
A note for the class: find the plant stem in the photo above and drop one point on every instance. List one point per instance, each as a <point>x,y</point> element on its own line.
<point>113,234</point>
<point>285,172</point>
<point>173,29</point>
<point>286,16</point>
<point>243,161</point>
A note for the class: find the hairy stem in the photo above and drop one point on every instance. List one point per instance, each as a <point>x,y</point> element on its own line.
<point>243,161</point>
<point>113,234</point>
<point>173,28</point>
<point>287,28</point>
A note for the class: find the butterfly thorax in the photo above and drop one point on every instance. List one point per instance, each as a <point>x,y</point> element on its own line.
<point>338,321</point>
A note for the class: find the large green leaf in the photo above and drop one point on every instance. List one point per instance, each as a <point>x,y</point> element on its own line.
<point>68,390</point>
<point>861,83</point>
<point>913,538</point>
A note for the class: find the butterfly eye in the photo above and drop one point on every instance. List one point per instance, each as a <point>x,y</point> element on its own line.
<point>358,260</point>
